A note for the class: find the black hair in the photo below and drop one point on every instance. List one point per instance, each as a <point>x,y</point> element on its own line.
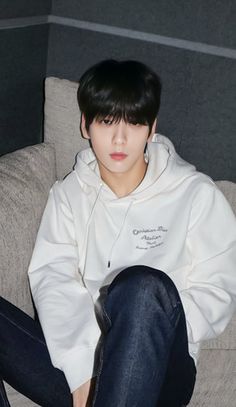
<point>127,90</point>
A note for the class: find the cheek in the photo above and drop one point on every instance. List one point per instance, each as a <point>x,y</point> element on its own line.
<point>99,147</point>
<point>139,145</point>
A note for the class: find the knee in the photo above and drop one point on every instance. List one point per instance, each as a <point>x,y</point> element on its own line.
<point>139,288</point>
<point>140,277</point>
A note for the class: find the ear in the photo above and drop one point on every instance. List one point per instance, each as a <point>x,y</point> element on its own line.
<point>83,129</point>
<point>153,130</point>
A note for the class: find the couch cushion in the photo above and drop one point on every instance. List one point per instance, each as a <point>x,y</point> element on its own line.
<point>62,122</point>
<point>18,400</point>
<point>26,176</point>
<point>216,379</point>
<point>229,190</point>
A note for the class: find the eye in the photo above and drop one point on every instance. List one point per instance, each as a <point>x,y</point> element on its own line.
<point>107,121</point>
<point>134,123</point>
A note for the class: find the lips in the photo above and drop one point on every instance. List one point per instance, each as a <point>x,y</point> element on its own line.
<point>118,156</point>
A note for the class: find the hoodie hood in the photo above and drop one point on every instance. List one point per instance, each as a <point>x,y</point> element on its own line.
<point>165,170</point>
<point>165,167</point>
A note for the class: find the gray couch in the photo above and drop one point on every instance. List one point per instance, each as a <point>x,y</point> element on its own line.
<point>26,176</point>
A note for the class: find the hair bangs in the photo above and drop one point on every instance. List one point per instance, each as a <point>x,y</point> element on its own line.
<point>119,105</point>
<point>126,90</point>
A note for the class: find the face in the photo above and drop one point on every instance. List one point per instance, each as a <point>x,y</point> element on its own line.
<point>119,147</point>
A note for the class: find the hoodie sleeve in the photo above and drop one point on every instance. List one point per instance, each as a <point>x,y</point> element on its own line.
<point>65,307</point>
<point>210,296</point>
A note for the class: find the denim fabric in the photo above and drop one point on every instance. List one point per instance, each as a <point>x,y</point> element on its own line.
<point>3,397</point>
<point>24,360</point>
<point>144,359</point>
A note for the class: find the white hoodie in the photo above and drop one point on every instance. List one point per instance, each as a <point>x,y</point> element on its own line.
<point>176,221</point>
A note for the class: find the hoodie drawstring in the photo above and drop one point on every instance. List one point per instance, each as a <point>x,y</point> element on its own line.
<point>118,235</point>
<point>85,243</point>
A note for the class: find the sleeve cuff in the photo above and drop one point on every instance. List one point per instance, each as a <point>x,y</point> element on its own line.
<point>79,366</point>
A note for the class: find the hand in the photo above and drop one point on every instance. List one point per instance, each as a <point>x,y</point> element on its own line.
<point>83,396</point>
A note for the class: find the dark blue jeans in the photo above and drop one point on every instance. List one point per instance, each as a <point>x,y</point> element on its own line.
<point>144,359</point>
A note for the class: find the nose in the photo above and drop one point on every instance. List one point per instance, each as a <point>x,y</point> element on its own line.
<point>120,133</point>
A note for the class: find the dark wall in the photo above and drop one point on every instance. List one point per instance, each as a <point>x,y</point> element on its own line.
<point>23,50</point>
<point>211,21</point>
<point>198,73</point>
<point>24,8</point>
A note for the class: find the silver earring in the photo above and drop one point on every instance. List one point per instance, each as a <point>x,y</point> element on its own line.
<point>146,157</point>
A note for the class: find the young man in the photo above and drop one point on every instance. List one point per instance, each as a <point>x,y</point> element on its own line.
<point>134,261</point>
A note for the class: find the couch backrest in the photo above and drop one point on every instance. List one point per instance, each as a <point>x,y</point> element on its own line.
<point>26,176</point>
<point>62,122</point>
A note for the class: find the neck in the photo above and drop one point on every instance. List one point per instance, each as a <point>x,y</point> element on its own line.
<point>122,184</point>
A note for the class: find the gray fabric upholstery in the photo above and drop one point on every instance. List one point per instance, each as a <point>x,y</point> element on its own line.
<point>62,122</point>
<point>216,379</point>
<point>18,400</point>
<point>25,178</point>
